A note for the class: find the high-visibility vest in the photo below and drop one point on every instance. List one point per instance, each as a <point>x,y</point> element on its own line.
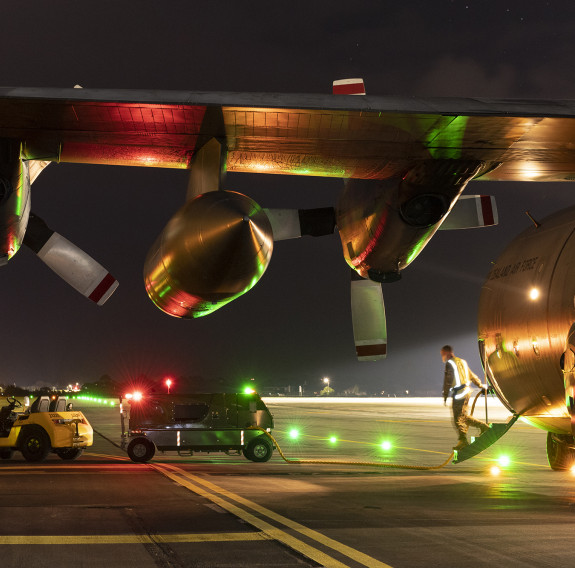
<point>461,376</point>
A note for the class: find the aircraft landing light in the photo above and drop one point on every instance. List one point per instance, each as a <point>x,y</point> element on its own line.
<point>386,445</point>
<point>333,440</point>
<point>534,293</point>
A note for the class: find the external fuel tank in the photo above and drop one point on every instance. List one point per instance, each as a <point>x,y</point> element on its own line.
<point>214,249</point>
<point>526,311</point>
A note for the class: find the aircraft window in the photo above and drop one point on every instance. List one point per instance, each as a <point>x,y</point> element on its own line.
<point>190,412</point>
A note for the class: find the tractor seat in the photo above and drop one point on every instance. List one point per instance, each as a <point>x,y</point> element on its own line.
<point>58,404</point>
<point>41,404</point>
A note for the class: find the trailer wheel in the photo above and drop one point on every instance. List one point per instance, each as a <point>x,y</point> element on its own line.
<point>259,449</point>
<point>6,454</point>
<point>560,452</point>
<point>141,450</point>
<point>69,454</point>
<point>34,444</point>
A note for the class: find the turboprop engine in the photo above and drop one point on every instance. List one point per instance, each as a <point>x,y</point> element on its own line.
<point>214,249</point>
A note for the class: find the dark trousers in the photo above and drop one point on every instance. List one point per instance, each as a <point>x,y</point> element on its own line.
<point>461,418</point>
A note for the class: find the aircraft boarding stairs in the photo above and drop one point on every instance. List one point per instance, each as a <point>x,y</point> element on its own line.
<point>481,443</point>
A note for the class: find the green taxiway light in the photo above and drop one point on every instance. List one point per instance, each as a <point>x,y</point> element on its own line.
<point>294,434</point>
<point>249,390</point>
<point>504,461</point>
<point>333,439</point>
<point>386,445</point>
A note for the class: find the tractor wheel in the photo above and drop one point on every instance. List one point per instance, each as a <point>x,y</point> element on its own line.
<point>69,454</point>
<point>34,444</point>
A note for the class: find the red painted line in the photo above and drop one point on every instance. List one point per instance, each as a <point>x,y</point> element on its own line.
<point>371,350</point>
<point>106,283</point>
<point>349,89</point>
<point>487,210</point>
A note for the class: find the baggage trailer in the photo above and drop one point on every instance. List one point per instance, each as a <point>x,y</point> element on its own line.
<point>210,422</point>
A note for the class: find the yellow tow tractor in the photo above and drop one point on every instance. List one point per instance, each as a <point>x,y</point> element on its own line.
<point>48,425</point>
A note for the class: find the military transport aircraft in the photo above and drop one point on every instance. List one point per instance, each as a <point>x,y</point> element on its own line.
<point>404,164</point>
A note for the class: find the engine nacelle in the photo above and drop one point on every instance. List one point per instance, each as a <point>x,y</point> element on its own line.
<point>214,249</point>
<point>385,224</point>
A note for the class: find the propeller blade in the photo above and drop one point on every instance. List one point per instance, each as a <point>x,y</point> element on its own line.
<point>69,262</point>
<point>368,316</point>
<point>471,212</point>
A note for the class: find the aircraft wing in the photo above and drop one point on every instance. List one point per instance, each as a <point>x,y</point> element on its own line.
<point>316,135</point>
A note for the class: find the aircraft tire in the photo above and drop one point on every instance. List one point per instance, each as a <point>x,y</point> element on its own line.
<point>560,454</point>
<point>259,449</point>
<point>34,443</point>
<point>69,454</point>
<point>141,450</point>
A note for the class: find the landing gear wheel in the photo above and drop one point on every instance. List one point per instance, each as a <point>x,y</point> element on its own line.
<point>260,449</point>
<point>141,450</point>
<point>6,454</point>
<point>69,454</point>
<point>34,444</point>
<point>560,453</point>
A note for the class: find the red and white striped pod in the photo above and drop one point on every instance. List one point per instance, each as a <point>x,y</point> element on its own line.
<point>348,87</point>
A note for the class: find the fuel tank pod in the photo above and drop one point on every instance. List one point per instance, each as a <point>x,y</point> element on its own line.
<point>214,249</point>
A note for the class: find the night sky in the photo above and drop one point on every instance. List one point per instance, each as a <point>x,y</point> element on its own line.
<point>295,325</point>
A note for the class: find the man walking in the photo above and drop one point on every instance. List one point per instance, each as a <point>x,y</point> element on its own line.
<point>456,383</point>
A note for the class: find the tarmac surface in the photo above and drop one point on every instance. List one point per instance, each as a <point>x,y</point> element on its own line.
<point>220,511</point>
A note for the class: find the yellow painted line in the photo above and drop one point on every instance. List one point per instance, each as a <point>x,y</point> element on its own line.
<point>59,466</point>
<point>272,532</point>
<point>108,456</point>
<point>352,553</point>
<point>133,538</point>
<point>416,421</point>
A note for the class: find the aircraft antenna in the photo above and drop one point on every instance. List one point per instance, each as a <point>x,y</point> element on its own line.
<point>536,223</point>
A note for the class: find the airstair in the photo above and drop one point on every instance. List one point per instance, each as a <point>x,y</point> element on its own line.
<point>481,443</point>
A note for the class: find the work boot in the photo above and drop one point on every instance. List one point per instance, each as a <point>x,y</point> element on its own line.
<point>461,444</point>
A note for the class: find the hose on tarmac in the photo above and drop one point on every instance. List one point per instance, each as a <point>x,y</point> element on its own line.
<point>364,463</point>
<point>355,463</point>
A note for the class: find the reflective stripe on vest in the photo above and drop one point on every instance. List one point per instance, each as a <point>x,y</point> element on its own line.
<point>460,373</point>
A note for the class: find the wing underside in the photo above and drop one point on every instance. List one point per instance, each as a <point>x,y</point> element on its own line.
<point>359,137</point>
